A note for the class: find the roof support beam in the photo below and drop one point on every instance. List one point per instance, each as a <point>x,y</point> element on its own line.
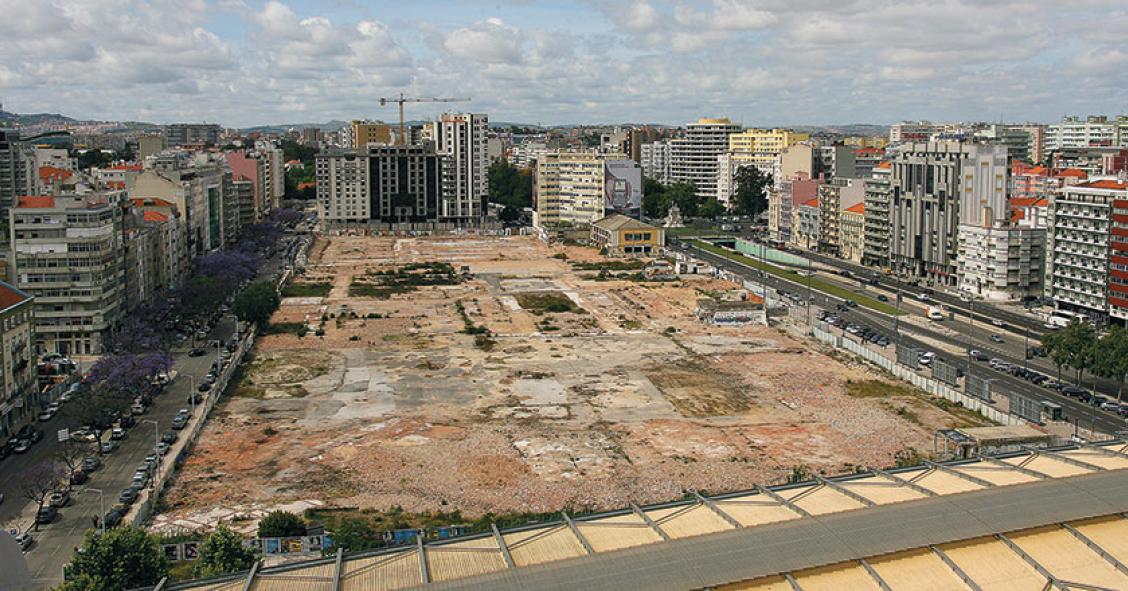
<point>576,532</point>
<point>715,509</point>
<point>791,581</point>
<point>906,483</point>
<point>873,573</point>
<point>1063,458</point>
<point>1095,547</point>
<point>250,580</point>
<point>958,474</point>
<point>501,545</point>
<point>971,584</point>
<point>1104,449</point>
<point>1023,469</point>
<point>842,489</point>
<point>424,570</point>
<point>1052,581</point>
<point>337,569</point>
<point>782,501</point>
<point>646,518</point>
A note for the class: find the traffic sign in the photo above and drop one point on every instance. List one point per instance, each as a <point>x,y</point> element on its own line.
<point>64,435</point>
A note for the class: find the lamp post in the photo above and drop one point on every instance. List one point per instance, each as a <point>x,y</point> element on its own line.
<point>101,507</point>
<point>192,392</point>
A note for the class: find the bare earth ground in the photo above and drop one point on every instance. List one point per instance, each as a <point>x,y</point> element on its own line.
<point>604,408</point>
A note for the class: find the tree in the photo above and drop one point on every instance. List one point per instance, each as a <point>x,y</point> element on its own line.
<point>685,195</point>
<point>1112,358</point>
<point>355,535</point>
<point>655,202</point>
<point>222,552</point>
<point>750,197</point>
<point>509,185</point>
<point>71,453</point>
<point>38,482</point>
<point>256,303</point>
<point>1054,346</point>
<point>1079,339</point>
<point>121,558</point>
<point>281,524</point>
<point>509,213</point>
<point>712,209</point>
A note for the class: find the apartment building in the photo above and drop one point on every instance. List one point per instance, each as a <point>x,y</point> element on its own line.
<point>1017,140</point>
<point>578,187</point>
<point>1087,270</point>
<point>655,161</point>
<point>179,134</point>
<point>68,254</point>
<point>380,183</point>
<point>865,159</point>
<point>359,134</point>
<point>693,158</point>
<point>930,182</point>
<point>17,358</point>
<point>462,139</point>
<point>1074,132</point>
<point>762,147</point>
<point>834,197</point>
<point>852,232</point>
<point>835,161</point>
<point>913,131</point>
<point>805,229</point>
<point>149,145</point>
<point>878,227</point>
<point>17,169</point>
<point>788,194</point>
<point>1001,262</point>
<point>168,221</point>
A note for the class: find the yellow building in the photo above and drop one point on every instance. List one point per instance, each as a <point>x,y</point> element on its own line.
<point>572,187</point>
<point>622,235</point>
<point>371,132</point>
<point>852,226</point>
<point>761,147</point>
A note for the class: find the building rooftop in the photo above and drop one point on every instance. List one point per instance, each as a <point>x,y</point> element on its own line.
<point>49,174</point>
<point>154,216</point>
<point>1003,522</point>
<point>1073,173</point>
<point>618,221</point>
<point>35,201</point>
<point>857,208</point>
<point>1104,184</point>
<point>11,296</point>
<point>812,202</point>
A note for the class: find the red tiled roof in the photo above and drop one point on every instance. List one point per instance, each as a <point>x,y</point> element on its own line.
<point>1029,202</point>
<point>154,216</point>
<point>868,151</point>
<point>1105,184</point>
<point>115,184</point>
<point>1074,173</point>
<point>857,208</point>
<point>151,202</point>
<point>36,201</point>
<point>812,203</point>
<point>10,296</point>
<point>1018,215</point>
<point>51,173</point>
<point>885,164</point>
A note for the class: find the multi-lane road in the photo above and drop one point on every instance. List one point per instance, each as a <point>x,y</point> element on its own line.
<point>957,335</point>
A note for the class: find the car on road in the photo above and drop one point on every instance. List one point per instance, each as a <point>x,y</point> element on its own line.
<point>996,338</point>
<point>22,446</point>
<point>59,499</point>
<point>46,415</point>
<point>178,423</point>
<point>1075,392</point>
<point>109,446</point>
<point>46,514</point>
<point>117,434</point>
<point>978,355</point>
<point>25,541</point>
<point>91,464</point>
<point>997,322</point>
<point>161,448</point>
<point>1110,406</point>
<point>78,477</point>
<point>127,497</point>
<point>882,297</point>
<point>85,434</point>
<point>926,358</point>
<point>169,437</point>
<point>198,352</point>
<point>203,387</point>
<point>137,409</point>
<point>195,398</point>
<point>112,517</point>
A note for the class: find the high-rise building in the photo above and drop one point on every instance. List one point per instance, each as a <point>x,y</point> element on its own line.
<point>1001,261</point>
<point>834,197</point>
<point>879,198</point>
<point>17,358</point>
<point>361,133</point>
<point>784,198</point>
<point>179,134</point>
<point>1073,132</point>
<point>693,159</point>
<point>579,187</point>
<point>1017,140</point>
<point>655,161</point>
<point>835,161</point>
<point>462,140</point>
<point>68,254</point>
<point>913,131</point>
<point>149,145</point>
<point>1087,269</point>
<point>380,183</point>
<point>762,147</point>
<point>18,174</point>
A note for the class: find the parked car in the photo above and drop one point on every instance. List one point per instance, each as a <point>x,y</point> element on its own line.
<point>109,446</point>
<point>195,398</point>
<point>169,437</point>
<point>1074,391</point>
<point>25,541</point>
<point>91,464</point>
<point>996,338</point>
<point>127,497</point>
<point>117,434</point>
<point>78,477</point>
<point>113,517</point>
<point>178,423</point>
<point>978,355</point>
<point>59,499</point>
<point>137,409</point>
<point>46,515</point>
<point>161,448</point>
<point>22,446</point>
<point>198,352</point>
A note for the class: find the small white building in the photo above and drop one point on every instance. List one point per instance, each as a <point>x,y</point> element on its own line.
<point>732,313</point>
<point>1001,262</point>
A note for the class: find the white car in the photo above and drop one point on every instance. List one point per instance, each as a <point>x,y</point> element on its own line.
<point>997,322</point>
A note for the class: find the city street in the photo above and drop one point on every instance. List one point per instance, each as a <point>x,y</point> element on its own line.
<point>1011,351</point>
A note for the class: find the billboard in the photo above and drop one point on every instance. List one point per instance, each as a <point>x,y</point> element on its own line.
<point>622,186</point>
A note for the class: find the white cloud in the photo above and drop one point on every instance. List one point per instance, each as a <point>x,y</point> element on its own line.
<point>490,41</point>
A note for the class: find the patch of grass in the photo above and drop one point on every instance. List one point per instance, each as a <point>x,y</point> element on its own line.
<point>877,389</point>
<point>552,301</point>
<point>307,290</point>
<point>816,284</point>
<point>360,289</point>
<point>284,328</point>
<point>181,570</point>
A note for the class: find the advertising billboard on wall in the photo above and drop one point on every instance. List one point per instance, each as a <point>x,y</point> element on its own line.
<point>622,186</point>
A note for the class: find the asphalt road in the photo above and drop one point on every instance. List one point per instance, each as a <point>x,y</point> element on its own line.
<point>1073,409</point>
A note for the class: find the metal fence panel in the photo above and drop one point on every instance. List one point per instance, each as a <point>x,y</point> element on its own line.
<point>1026,408</point>
<point>978,387</point>
<point>945,372</point>
<point>908,356</point>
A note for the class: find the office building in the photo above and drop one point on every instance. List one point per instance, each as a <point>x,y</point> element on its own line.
<point>1087,269</point>
<point>1074,132</point>
<point>179,134</point>
<point>68,254</point>
<point>462,140</point>
<point>693,158</point>
<point>380,183</point>
<point>577,188</point>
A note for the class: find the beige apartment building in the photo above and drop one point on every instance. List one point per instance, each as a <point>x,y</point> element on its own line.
<point>852,232</point>
<point>570,187</point>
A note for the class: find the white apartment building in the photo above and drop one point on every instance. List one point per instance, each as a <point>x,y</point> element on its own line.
<point>1001,262</point>
<point>693,159</point>
<point>656,161</point>
<point>1073,132</point>
<point>913,131</point>
<point>463,142</point>
<point>1087,270</point>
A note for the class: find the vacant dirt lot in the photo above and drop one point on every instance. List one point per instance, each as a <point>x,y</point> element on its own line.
<point>526,385</point>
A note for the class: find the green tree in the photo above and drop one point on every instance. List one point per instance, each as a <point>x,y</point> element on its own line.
<point>222,552</point>
<point>257,302</point>
<point>122,558</point>
<point>281,524</point>
<point>509,185</point>
<point>1112,358</point>
<point>1055,349</point>
<point>292,150</point>
<point>685,195</point>
<point>751,197</point>
<point>1080,340</point>
<point>712,209</point>
<point>354,535</point>
<point>655,202</point>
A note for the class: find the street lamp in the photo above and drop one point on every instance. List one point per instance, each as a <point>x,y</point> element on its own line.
<point>101,507</point>
<point>192,391</point>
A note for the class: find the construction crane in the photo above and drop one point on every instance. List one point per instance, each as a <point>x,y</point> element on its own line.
<point>403,99</point>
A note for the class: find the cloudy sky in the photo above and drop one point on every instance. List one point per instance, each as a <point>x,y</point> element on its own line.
<point>762,62</point>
